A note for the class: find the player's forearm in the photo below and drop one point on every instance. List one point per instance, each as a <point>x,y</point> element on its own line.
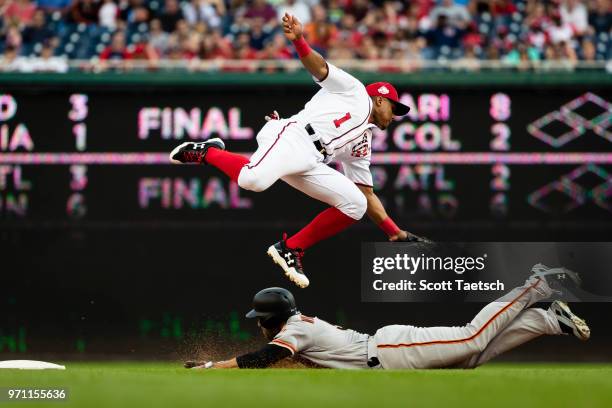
<point>262,358</point>
<point>312,60</point>
<point>376,211</point>
<point>226,364</point>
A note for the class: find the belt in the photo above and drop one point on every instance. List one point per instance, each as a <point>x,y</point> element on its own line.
<point>317,142</point>
<point>373,361</point>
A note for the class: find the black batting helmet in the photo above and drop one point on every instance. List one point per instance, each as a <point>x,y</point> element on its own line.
<point>272,306</point>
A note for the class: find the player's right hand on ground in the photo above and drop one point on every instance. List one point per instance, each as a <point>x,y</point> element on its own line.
<point>195,364</point>
<point>292,27</point>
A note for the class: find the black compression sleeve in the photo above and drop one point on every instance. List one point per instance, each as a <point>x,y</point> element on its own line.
<point>262,358</point>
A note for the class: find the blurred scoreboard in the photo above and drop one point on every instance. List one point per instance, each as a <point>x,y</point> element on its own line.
<point>101,155</point>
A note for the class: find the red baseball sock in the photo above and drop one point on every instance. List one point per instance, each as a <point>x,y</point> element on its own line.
<point>325,225</point>
<point>227,162</point>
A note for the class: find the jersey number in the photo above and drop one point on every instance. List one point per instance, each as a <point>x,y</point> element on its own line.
<point>343,119</point>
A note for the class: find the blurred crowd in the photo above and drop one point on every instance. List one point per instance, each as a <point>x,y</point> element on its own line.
<point>42,35</point>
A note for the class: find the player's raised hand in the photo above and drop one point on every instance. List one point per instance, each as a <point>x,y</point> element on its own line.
<point>272,116</point>
<point>292,27</point>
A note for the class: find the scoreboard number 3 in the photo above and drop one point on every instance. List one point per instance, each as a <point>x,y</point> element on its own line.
<point>76,206</point>
<point>79,109</point>
<point>78,114</point>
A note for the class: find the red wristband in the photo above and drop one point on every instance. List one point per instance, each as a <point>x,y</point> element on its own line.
<point>389,226</point>
<point>302,47</point>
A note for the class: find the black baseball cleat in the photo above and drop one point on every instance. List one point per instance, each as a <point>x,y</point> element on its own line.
<point>194,152</point>
<point>290,260</point>
<point>569,322</point>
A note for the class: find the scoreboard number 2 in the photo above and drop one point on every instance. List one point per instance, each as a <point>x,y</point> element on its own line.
<point>501,141</point>
<point>500,110</point>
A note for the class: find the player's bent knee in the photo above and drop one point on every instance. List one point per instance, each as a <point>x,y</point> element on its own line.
<point>476,343</point>
<point>361,205</point>
<point>249,181</point>
<point>478,346</point>
<point>356,207</point>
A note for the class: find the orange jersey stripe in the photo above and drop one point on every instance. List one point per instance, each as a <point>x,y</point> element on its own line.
<point>284,344</point>
<point>472,337</point>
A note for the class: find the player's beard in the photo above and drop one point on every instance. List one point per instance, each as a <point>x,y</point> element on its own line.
<point>269,333</point>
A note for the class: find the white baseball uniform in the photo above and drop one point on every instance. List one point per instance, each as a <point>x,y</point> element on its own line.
<point>497,328</point>
<point>338,114</point>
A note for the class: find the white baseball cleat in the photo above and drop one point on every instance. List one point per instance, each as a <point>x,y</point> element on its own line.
<point>194,152</point>
<point>290,260</point>
<point>569,322</point>
<point>560,274</point>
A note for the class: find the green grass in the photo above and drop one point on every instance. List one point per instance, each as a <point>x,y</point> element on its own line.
<point>152,385</point>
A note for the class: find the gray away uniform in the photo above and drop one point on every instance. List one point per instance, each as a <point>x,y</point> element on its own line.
<point>497,328</point>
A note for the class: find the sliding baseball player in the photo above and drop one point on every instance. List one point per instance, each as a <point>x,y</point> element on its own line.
<point>498,327</point>
<point>336,124</point>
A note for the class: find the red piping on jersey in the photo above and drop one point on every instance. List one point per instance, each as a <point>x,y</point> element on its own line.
<point>284,344</point>
<point>356,137</point>
<point>361,124</point>
<point>363,185</point>
<point>472,337</point>
<point>270,148</point>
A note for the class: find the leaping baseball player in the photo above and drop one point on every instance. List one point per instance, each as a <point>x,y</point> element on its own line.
<point>334,125</point>
<point>500,326</point>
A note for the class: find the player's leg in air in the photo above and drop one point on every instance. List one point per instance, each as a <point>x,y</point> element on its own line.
<point>348,205</point>
<point>498,327</point>
<point>530,324</point>
<point>285,151</point>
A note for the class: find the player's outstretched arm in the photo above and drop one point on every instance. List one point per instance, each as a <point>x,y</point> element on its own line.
<point>210,364</point>
<point>312,60</point>
<point>377,213</point>
<point>262,358</point>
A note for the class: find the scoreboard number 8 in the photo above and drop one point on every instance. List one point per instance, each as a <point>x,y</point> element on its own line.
<point>500,111</point>
<point>500,107</point>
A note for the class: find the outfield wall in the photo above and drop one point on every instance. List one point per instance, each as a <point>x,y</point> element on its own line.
<point>101,238</point>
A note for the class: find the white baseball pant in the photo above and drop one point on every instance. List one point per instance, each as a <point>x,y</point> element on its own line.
<point>285,151</point>
<point>401,346</point>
